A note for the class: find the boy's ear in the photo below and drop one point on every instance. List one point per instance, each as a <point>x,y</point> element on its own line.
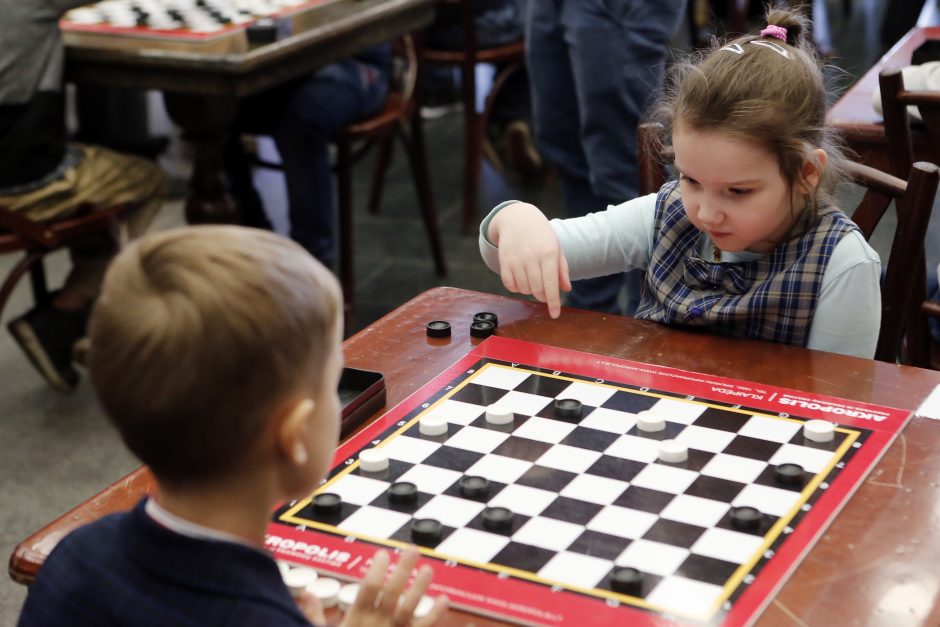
<point>813,169</point>
<point>290,437</point>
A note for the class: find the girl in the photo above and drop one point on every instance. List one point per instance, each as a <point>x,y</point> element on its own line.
<point>746,242</point>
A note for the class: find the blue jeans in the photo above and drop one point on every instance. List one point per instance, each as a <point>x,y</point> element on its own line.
<point>307,114</point>
<point>592,66</point>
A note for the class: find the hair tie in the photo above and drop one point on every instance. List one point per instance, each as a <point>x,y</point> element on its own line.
<point>775,31</point>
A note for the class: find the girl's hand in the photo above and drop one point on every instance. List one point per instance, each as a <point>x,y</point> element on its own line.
<point>530,257</point>
<point>387,603</point>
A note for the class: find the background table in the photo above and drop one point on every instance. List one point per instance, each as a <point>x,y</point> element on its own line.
<point>877,561</point>
<point>201,89</point>
<point>854,116</point>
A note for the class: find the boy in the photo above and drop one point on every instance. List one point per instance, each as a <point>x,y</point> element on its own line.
<point>216,352</point>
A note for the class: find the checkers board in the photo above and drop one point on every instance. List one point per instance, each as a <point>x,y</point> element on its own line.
<point>203,26</point>
<point>590,495</point>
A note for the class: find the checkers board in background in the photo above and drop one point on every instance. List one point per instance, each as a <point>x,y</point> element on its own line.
<point>203,26</point>
<point>589,495</point>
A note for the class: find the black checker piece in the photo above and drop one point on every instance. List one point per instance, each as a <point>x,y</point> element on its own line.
<point>769,477</point>
<point>649,582</point>
<point>590,439</point>
<point>644,499</point>
<point>346,510</point>
<point>382,501</point>
<point>544,478</point>
<point>404,534</point>
<point>674,532</point>
<point>628,402</point>
<point>549,412</point>
<point>522,448</point>
<point>517,521</point>
<point>571,510</point>
<point>767,521</point>
<point>493,489</point>
<point>541,385</point>
<point>452,458</point>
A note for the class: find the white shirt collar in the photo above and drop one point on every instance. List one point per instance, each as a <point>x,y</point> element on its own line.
<point>174,523</point>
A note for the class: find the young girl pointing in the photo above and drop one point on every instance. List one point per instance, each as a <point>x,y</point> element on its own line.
<point>747,241</point>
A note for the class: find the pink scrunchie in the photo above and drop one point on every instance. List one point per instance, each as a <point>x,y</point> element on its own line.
<point>775,31</point>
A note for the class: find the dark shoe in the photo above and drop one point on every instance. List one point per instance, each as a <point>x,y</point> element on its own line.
<point>47,335</point>
<point>521,154</point>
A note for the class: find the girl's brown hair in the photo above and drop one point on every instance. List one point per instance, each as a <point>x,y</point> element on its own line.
<point>762,90</point>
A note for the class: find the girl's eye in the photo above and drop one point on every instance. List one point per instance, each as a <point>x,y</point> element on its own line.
<point>683,177</point>
<point>737,191</point>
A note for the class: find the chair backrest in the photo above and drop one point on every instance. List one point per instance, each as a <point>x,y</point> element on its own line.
<point>903,284</point>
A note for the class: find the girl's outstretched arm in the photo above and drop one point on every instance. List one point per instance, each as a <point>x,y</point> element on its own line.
<point>531,260</point>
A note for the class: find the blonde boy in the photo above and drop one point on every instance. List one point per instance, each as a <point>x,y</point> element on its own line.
<point>216,351</point>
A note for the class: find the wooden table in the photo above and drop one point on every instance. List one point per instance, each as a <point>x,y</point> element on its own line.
<point>854,116</point>
<point>201,88</point>
<point>877,563</point>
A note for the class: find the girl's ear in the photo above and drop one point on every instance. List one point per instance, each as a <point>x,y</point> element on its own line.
<point>812,171</point>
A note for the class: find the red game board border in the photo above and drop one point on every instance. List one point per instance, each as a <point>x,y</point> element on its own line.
<point>533,603</point>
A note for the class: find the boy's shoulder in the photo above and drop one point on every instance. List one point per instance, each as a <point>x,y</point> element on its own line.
<point>125,569</point>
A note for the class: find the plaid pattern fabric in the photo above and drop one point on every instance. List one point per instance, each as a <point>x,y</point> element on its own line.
<point>125,569</point>
<point>772,298</point>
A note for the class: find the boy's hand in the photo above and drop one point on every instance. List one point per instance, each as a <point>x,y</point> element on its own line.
<point>383,603</point>
<point>530,257</point>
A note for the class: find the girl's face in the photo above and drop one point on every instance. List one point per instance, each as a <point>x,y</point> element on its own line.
<point>733,190</point>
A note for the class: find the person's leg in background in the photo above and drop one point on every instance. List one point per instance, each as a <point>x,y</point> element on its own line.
<point>586,119</point>
<point>329,99</point>
<point>103,178</point>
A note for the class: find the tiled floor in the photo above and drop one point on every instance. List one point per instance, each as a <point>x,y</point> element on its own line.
<point>57,451</point>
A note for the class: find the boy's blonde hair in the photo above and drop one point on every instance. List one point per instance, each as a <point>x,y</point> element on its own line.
<point>199,335</point>
<point>762,90</point>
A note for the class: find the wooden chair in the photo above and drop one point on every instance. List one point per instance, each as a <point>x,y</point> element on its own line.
<point>37,239</point>
<point>895,100</point>
<point>903,328</point>
<point>398,117</point>
<point>467,58</point>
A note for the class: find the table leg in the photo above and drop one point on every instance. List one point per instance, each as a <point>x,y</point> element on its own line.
<point>206,122</point>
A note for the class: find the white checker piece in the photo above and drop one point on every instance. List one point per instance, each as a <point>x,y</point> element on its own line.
<point>695,510</point>
<point>727,545</point>
<point>524,403</point>
<point>773,501</point>
<point>773,429</point>
<point>665,478</point>
<point>622,522</point>
<point>499,468</point>
<point>476,439</point>
<point>374,522</point>
<point>523,499</point>
<point>609,420</point>
<point>705,439</point>
<point>591,394</point>
<point>811,459</point>
<point>594,489</point>
<point>575,569</point>
<point>652,557</point>
<point>676,410</point>
<point>634,448</point>
<point>407,449</point>
<point>544,430</point>
<point>472,545</point>
<point>450,510</point>
<point>500,377</point>
<point>698,597</point>
<point>430,479</point>
<point>570,458</point>
<point>733,468</point>
<point>457,412</point>
<point>357,490</point>
<point>548,533</point>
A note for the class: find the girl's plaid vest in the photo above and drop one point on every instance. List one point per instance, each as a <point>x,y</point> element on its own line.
<point>772,298</point>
